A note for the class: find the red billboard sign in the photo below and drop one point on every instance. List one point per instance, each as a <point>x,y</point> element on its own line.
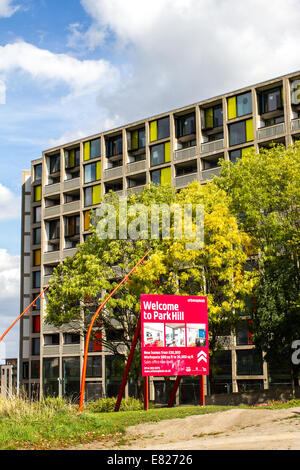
<point>174,335</point>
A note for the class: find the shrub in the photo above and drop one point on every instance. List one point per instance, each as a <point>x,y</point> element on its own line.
<point>107,405</point>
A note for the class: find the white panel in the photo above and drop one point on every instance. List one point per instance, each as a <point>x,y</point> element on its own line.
<point>25,349</point>
<point>26,285</point>
<point>27,203</point>
<point>26,264</point>
<point>28,185</point>
<point>26,327</point>
<point>27,244</point>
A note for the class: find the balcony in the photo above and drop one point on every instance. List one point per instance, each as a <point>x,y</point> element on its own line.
<point>212,147</point>
<point>182,181</point>
<point>51,256</point>
<point>71,184</point>
<point>52,211</point>
<point>47,280</point>
<point>272,131</point>
<point>112,173</point>
<point>208,174</point>
<point>185,154</point>
<point>51,189</point>
<point>71,349</point>
<point>51,350</point>
<point>69,252</point>
<point>136,166</point>
<point>136,189</point>
<point>71,207</point>
<point>295,125</point>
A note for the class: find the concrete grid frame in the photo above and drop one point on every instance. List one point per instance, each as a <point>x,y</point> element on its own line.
<point>67,181</point>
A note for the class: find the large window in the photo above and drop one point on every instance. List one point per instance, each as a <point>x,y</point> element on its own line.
<point>73,158</point>
<point>37,214</point>
<point>160,129</point>
<point>38,172</point>
<point>72,225</point>
<point>114,368</point>
<point>240,132</point>
<point>249,362</point>
<point>162,176</point>
<point>137,139</point>
<point>92,149</point>
<point>35,369</point>
<point>71,377</point>
<point>54,164</point>
<point>50,376</point>
<point>239,105</point>
<point>25,370</point>
<point>213,117</point>
<point>36,279</point>
<point>35,349</point>
<point>94,366</point>
<point>37,236</point>
<point>92,195</point>
<point>114,146</point>
<point>160,153</point>
<point>185,125</point>
<point>54,229</point>
<point>92,172</point>
<point>271,100</point>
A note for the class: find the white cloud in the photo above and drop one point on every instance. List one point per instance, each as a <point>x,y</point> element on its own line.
<point>50,69</point>
<point>9,205</point>
<point>7,8</point>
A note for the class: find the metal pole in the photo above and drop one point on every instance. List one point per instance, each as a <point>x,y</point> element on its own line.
<point>146,393</point>
<point>174,391</point>
<point>87,340</point>
<point>202,394</point>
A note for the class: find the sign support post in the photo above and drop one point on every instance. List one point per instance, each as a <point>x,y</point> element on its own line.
<point>202,394</point>
<point>146,393</point>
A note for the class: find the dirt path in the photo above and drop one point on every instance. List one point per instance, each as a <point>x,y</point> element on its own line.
<point>233,429</point>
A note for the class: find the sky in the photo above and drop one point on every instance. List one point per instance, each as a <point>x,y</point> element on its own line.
<point>72,68</point>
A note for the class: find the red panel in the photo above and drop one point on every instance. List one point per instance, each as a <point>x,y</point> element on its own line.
<point>97,343</point>
<point>37,324</point>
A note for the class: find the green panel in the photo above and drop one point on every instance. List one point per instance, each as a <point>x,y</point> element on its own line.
<point>37,193</point>
<point>231,105</point>
<point>87,151</point>
<point>98,170</point>
<point>166,175</point>
<point>249,130</point>
<point>72,158</point>
<point>135,140</point>
<point>209,118</point>
<point>245,150</point>
<point>153,131</point>
<point>97,194</point>
<point>167,152</point>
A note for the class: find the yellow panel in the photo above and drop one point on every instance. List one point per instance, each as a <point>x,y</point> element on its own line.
<point>209,118</point>
<point>231,105</point>
<point>72,158</point>
<point>249,130</point>
<point>167,151</point>
<point>166,175</point>
<point>245,150</point>
<point>153,131</point>
<point>97,194</point>
<point>87,151</point>
<point>37,193</point>
<point>98,170</point>
<point>37,258</point>
<point>135,140</point>
<point>87,220</point>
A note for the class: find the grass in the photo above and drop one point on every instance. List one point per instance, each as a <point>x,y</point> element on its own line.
<point>54,423</point>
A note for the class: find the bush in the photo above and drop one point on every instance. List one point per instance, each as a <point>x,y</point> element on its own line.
<point>107,405</point>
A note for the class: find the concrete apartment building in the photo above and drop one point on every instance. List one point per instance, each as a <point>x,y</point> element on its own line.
<point>68,181</point>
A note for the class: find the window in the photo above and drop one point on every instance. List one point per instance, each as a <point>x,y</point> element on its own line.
<point>160,153</point>
<point>35,369</point>
<point>71,338</point>
<point>25,370</point>
<point>38,172</point>
<point>37,304</point>
<point>273,121</point>
<point>35,347</point>
<point>36,324</point>
<point>87,220</point>
<point>37,236</point>
<point>271,100</point>
<point>249,362</point>
<point>92,149</point>
<point>92,195</point>
<point>213,117</point>
<point>235,155</point>
<point>71,376</point>
<point>36,276</point>
<point>161,176</point>
<point>54,229</point>
<point>137,140</point>
<point>73,158</point>
<point>239,105</point>
<point>51,340</point>
<point>241,132</point>
<point>243,336</point>
<point>187,169</point>
<point>114,146</point>
<point>160,129</point>
<point>37,214</point>
<point>54,166</point>
<point>72,226</point>
<point>208,164</point>
<point>94,366</point>
<point>50,376</point>
<point>185,125</point>
<point>95,344</point>
<point>92,172</point>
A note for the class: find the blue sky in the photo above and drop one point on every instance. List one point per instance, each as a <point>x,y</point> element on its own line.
<point>76,67</point>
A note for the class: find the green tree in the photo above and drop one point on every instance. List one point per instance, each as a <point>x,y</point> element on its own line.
<point>214,270</point>
<point>264,190</point>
